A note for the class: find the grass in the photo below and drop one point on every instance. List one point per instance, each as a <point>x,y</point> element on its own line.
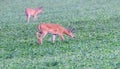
<point>97,30</point>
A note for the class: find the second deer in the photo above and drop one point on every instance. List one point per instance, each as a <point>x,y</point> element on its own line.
<point>32,12</point>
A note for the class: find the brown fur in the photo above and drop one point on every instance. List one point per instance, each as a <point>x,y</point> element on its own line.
<point>54,29</point>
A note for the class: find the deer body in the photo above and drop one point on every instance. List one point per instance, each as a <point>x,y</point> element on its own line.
<point>32,12</point>
<point>54,29</point>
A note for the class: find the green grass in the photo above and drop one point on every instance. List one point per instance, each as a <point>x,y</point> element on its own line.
<point>97,31</point>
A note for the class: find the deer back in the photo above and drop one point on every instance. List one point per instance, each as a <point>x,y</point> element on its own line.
<point>51,28</point>
<point>30,11</point>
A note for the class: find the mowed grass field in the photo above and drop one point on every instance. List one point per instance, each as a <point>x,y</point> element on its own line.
<point>97,31</point>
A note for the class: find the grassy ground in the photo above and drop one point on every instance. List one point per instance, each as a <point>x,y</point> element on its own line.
<point>97,28</point>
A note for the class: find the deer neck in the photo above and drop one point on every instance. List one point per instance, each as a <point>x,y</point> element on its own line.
<point>66,32</point>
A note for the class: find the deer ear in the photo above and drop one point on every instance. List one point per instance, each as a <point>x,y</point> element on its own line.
<point>69,30</point>
<point>73,29</point>
<point>40,7</point>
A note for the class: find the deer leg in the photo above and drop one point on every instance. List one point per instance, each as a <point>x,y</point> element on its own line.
<point>28,18</point>
<point>35,17</point>
<point>38,35</point>
<point>62,37</point>
<point>53,38</point>
<point>40,40</point>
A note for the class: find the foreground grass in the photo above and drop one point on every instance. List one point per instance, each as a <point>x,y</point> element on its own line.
<point>97,30</point>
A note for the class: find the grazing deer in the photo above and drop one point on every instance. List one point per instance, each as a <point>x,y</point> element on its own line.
<point>54,29</point>
<point>32,12</point>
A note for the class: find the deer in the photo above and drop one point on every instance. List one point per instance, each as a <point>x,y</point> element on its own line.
<point>33,12</point>
<point>54,29</point>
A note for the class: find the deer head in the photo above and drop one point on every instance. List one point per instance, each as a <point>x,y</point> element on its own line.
<point>70,31</point>
<point>40,9</point>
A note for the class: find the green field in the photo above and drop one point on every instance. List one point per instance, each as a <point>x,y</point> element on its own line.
<point>97,31</point>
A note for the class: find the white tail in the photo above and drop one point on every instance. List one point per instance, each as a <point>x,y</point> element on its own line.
<point>54,29</point>
<point>32,12</point>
